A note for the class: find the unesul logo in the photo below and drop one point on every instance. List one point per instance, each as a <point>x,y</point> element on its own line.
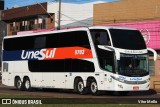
<point>135,79</point>
<point>39,54</point>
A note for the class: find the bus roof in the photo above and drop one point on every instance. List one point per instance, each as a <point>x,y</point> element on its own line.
<point>72,29</point>
<point>111,27</point>
<point>48,32</point>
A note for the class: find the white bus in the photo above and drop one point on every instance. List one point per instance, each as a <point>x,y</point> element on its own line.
<point>87,60</point>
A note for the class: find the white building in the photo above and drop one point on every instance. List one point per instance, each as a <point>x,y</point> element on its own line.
<point>73,15</point>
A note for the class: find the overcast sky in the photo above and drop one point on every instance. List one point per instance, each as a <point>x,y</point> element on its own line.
<point>11,3</point>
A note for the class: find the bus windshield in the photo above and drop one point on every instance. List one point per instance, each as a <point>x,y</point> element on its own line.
<point>133,65</point>
<point>127,39</point>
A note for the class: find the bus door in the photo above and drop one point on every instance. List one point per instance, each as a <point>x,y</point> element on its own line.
<point>106,61</point>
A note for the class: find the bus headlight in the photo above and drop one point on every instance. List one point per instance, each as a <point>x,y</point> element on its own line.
<point>118,79</point>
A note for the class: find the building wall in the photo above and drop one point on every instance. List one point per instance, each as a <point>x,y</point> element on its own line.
<point>155,77</point>
<point>24,11</point>
<point>27,18</point>
<point>29,24</point>
<point>74,15</point>
<point>126,11</point>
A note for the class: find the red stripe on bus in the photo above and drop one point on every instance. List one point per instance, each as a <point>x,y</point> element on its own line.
<point>70,52</point>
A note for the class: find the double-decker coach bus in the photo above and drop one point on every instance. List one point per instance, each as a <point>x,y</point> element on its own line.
<point>87,60</point>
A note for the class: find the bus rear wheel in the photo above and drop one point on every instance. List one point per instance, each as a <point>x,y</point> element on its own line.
<point>80,87</point>
<point>18,84</point>
<point>27,84</point>
<point>94,87</point>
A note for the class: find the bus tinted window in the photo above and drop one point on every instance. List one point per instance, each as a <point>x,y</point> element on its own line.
<point>61,65</point>
<point>40,42</point>
<point>82,66</point>
<point>65,39</point>
<point>106,59</point>
<point>46,65</point>
<point>19,43</point>
<point>68,39</point>
<point>127,39</point>
<point>52,40</point>
<point>103,37</point>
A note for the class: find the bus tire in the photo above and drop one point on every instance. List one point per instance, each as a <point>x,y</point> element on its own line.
<point>80,87</point>
<point>27,84</point>
<point>94,87</point>
<point>18,84</point>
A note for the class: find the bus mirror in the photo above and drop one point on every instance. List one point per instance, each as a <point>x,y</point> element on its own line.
<point>154,53</point>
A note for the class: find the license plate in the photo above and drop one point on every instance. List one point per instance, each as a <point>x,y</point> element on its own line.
<point>136,88</point>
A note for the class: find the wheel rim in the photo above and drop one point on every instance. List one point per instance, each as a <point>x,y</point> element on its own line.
<point>27,84</point>
<point>19,84</point>
<point>80,86</point>
<point>94,87</point>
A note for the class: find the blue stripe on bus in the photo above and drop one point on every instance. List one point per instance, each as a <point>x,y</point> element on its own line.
<point>17,55</point>
<point>11,55</point>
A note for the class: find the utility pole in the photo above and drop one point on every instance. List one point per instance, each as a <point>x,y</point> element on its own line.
<point>59,16</point>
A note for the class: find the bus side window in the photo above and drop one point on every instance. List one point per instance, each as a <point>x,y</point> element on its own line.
<point>100,37</point>
<point>20,43</point>
<point>40,42</point>
<point>5,67</point>
<point>106,60</point>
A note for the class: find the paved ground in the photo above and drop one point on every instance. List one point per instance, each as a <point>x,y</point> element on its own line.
<point>56,93</point>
